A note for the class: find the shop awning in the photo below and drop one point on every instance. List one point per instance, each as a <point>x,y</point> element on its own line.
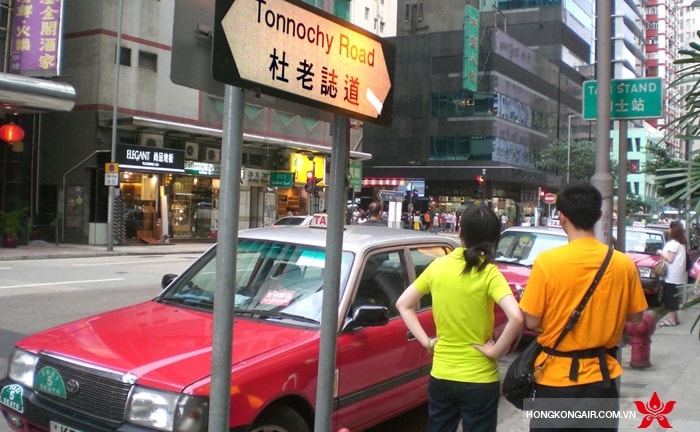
<point>299,146</point>
<point>26,95</point>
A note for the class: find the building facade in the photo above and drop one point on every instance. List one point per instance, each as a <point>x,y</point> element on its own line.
<point>446,132</point>
<point>163,151</point>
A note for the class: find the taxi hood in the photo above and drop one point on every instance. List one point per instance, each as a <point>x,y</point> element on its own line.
<point>516,275</point>
<point>642,259</point>
<point>164,346</point>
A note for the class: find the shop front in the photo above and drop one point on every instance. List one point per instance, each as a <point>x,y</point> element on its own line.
<point>163,196</point>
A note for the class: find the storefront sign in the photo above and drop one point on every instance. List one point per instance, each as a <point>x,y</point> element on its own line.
<point>36,38</point>
<point>256,177</point>
<point>281,179</point>
<point>150,158</point>
<point>202,168</point>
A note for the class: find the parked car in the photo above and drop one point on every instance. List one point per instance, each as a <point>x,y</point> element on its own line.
<point>517,250</point>
<point>294,220</point>
<point>147,367</point>
<point>641,245</point>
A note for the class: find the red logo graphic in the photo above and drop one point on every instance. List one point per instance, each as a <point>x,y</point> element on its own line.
<point>655,409</point>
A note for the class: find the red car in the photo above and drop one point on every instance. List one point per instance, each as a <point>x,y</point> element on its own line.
<point>147,367</point>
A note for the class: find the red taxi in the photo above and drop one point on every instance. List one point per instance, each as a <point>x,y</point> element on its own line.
<point>146,367</point>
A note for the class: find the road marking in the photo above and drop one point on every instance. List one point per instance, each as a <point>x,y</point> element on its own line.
<point>136,261</point>
<point>61,283</point>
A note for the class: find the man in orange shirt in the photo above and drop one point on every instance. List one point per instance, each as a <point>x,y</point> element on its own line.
<point>583,366</point>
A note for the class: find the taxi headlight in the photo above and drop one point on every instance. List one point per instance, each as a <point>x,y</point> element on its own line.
<point>21,368</point>
<point>167,411</point>
<point>645,272</point>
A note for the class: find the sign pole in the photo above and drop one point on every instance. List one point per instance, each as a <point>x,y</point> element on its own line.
<point>331,277</point>
<point>227,249</point>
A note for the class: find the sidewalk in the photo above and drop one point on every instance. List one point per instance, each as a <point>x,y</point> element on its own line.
<point>42,250</point>
<point>674,375</point>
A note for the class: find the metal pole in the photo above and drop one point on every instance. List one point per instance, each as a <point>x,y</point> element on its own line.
<point>226,251</point>
<point>622,185</point>
<point>331,278</point>
<point>568,151</point>
<point>602,179</point>
<point>115,109</point>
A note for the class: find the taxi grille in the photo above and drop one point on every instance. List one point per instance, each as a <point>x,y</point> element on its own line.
<point>101,394</point>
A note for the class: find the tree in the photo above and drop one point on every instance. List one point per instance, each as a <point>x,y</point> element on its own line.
<point>680,179</point>
<point>582,163</point>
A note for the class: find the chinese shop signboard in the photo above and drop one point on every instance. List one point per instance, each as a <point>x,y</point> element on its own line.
<point>36,38</point>
<point>289,49</point>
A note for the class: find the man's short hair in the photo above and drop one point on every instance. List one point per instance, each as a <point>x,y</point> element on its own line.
<point>581,203</point>
<point>374,209</point>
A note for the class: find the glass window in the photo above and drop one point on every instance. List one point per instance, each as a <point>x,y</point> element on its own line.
<point>148,61</point>
<point>523,247</point>
<point>274,281</point>
<point>421,258</point>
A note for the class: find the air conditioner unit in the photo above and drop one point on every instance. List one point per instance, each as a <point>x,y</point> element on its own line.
<point>191,150</point>
<point>150,140</point>
<point>213,155</point>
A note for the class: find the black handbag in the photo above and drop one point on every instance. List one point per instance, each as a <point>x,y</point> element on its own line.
<point>519,381</point>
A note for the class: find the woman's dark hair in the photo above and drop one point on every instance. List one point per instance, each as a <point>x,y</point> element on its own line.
<point>479,230</point>
<point>676,232</point>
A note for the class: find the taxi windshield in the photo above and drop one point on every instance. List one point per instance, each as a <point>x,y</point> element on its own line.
<point>274,281</point>
<point>647,242</point>
<point>521,247</point>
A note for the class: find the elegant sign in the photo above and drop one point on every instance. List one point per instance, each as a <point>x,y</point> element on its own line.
<point>289,49</point>
<point>150,158</point>
<point>36,38</point>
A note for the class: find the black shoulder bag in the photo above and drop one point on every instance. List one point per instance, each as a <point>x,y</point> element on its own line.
<point>519,382</point>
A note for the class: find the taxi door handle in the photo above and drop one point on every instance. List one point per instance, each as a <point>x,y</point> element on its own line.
<point>410,337</point>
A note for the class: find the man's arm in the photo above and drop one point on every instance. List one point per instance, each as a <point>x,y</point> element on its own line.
<point>532,322</point>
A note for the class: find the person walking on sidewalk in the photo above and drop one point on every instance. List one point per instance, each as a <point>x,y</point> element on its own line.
<point>583,366</point>
<point>465,286</point>
<point>674,253</point>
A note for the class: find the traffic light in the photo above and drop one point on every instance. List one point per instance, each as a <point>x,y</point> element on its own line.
<point>480,183</point>
<point>310,186</point>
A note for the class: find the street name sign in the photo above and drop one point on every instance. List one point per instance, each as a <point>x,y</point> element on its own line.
<point>292,50</point>
<point>637,98</point>
<point>391,195</point>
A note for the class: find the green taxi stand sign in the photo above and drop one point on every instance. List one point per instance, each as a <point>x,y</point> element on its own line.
<point>638,98</point>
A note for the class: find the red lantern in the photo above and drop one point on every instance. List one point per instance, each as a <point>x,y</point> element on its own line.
<point>10,132</point>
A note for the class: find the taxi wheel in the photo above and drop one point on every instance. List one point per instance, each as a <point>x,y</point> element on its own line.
<point>280,419</point>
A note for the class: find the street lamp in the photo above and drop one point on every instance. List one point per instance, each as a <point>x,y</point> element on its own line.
<point>568,149</point>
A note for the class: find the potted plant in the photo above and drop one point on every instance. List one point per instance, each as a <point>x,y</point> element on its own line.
<point>11,223</point>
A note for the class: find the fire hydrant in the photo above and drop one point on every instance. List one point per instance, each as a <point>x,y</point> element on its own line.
<point>640,340</point>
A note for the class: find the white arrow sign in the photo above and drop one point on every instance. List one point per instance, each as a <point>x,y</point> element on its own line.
<point>290,47</point>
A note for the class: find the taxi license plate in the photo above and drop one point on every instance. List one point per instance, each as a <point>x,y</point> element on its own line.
<point>58,427</point>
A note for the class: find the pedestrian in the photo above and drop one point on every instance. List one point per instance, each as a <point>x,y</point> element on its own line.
<point>374,213</point>
<point>583,366</point>
<point>504,221</point>
<point>465,286</point>
<point>436,223</point>
<point>674,253</point>
<point>290,212</point>
<point>427,220</point>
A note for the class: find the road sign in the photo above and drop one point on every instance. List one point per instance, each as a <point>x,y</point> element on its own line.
<point>282,179</point>
<point>550,198</point>
<point>638,98</point>
<point>289,49</point>
<point>111,174</point>
<point>391,195</point>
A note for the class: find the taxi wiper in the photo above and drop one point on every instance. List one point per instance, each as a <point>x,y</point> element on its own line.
<point>190,301</point>
<point>255,313</point>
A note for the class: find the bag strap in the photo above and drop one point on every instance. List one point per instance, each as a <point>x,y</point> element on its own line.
<point>576,314</point>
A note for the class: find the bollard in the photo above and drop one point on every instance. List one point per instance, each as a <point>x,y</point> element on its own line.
<point>640,340</point>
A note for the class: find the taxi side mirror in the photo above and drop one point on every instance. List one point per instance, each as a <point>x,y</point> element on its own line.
<point>167,279</point>
<point>367,316</point>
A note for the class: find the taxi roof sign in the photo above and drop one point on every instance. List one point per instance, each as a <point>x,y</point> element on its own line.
<point>319,220</point>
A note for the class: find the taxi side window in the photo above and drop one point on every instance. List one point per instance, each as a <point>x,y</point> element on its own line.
<point>383,279</point>
<point>421,258</point>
